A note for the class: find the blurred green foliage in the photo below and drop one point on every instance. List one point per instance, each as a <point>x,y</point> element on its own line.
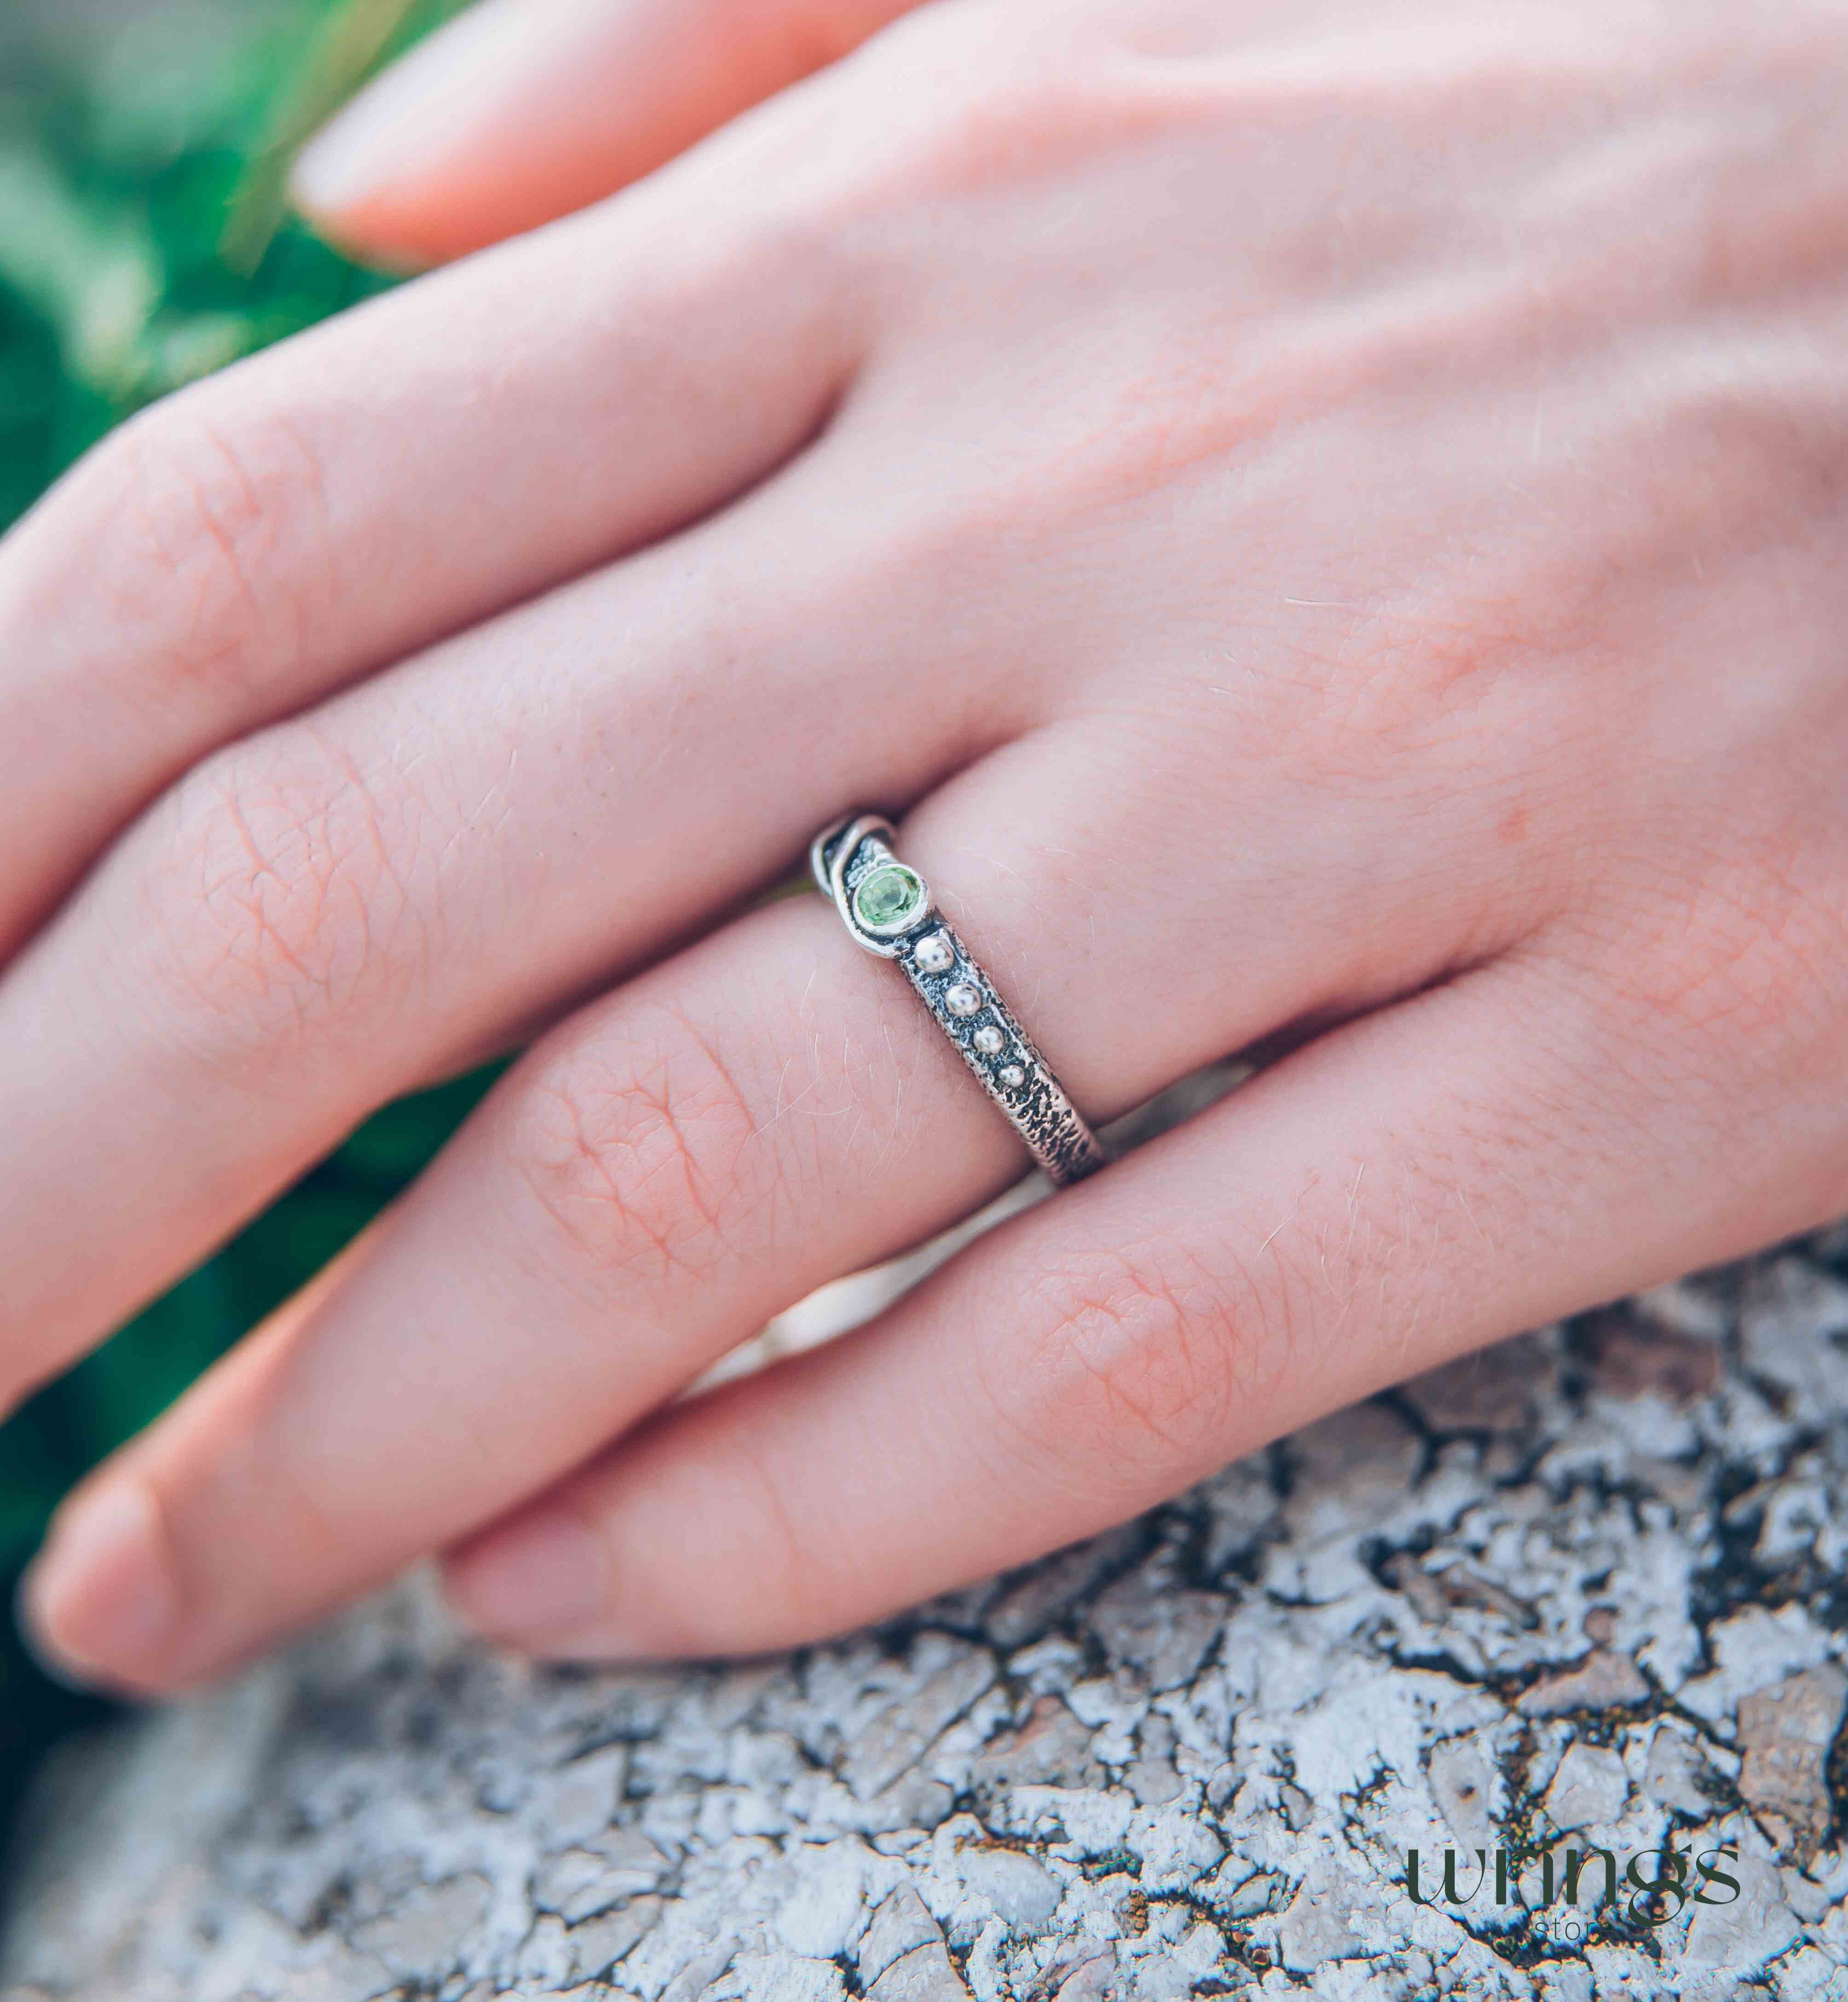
<point>142,243</point>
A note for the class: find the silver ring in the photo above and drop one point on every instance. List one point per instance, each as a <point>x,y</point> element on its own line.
<point>888,908</point>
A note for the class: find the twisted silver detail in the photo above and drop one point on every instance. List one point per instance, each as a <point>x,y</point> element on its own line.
<point>896,918</point>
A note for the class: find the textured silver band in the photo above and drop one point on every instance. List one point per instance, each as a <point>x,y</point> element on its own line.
<point>889,909</point>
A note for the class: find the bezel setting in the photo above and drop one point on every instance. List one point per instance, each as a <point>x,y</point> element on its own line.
<point>881,882</point>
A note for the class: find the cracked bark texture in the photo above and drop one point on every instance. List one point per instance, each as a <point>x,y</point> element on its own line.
<point>1586,1587</point>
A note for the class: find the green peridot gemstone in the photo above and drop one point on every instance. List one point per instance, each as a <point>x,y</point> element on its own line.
<point>890,897</point>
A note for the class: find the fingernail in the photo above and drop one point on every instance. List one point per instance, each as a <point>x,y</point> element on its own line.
<point>535,1583</point>
<point>99,1599</point>
<point>362,146</point>
<point>415,109</point>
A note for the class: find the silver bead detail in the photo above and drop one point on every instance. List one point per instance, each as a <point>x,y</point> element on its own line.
<point>1012,1075</point>
<point>933,954</point>
<point>989,1040</point>
<point>962,998</point>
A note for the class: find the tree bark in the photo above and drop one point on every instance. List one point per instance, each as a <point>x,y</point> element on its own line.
<point>1586,1589</point>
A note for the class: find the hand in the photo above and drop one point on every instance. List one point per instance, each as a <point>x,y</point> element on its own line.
<point>1329,527</point>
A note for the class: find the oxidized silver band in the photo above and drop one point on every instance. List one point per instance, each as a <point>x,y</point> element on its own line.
<point>889,909</point>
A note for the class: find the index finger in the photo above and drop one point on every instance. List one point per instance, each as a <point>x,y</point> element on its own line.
<point>256,541</point>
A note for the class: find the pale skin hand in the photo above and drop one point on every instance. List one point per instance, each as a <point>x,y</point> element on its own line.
<point>1325,524</point>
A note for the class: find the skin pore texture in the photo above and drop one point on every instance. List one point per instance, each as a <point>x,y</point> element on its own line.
<point>1323,524</point>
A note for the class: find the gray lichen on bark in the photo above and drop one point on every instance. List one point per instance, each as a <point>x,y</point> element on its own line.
<point>1586,1589</point>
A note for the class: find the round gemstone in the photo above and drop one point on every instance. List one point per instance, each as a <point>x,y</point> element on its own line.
<point>989,1040</point>
<point>890,897</point>
<point>934,953</point>
<point>962,998</point>
<point>1013,1077</point>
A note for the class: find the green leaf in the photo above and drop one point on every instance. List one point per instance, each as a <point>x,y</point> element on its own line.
<point>90,268</point>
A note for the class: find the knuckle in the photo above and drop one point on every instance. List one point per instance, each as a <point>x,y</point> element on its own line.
<point>642,1154</point>
<point>1138,1364</point>
<point>227,550</point>
<point>279,909</point>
